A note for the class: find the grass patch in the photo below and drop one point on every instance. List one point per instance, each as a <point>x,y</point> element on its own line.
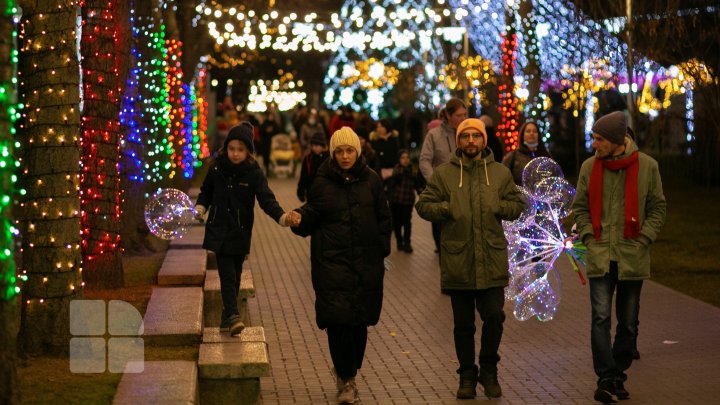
<point>48,380</point>
<point>685,256</point>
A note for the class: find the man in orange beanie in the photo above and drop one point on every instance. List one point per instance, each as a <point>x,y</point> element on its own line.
<point>472,189</point>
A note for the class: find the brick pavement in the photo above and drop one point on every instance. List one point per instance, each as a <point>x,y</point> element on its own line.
<point>410,357</point>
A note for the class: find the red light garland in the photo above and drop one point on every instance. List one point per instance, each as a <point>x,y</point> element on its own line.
<point>509,116</point>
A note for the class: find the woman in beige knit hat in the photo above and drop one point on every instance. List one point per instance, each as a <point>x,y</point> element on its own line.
<point>347,215</point>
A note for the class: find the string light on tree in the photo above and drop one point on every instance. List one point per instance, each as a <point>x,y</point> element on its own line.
<point>9,113</point>
<point>100,142</point>
<point>49,158</point>
<point>509,116</point>
<point>200,140</point>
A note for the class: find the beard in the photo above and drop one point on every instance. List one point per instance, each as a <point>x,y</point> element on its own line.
<point>470,151</point>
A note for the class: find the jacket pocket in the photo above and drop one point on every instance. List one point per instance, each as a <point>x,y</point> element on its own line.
<point>598,258</point>
<point>634,260</point>
<point>455,262</point>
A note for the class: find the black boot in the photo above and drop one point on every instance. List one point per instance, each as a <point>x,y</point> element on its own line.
<point>408,247</point>
<point>400,246</point>
<point>489,381</point>
<point>468,381</point>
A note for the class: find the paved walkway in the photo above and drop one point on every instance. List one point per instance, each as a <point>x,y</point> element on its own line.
<point>410,357</point>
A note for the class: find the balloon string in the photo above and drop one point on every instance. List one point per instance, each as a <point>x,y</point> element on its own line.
<point>576,268</point>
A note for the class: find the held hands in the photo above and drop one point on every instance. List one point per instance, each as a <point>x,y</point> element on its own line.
<point>292,218</point>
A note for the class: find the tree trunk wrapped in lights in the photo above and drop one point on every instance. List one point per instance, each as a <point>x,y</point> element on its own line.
<point>138,123</point>
<point>50,174</point>
<point>100,180</point>
<point>8,308</point>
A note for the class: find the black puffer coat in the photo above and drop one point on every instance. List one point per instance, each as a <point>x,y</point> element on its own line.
<point>229,192</point>
<point>348,217</point>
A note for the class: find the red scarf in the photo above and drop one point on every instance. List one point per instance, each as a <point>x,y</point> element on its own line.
<point>632,220</point>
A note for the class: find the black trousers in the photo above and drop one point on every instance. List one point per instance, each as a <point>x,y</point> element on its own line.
<point>347,348</point>
<point>229,270</point>
<point>436,228</point>
<point>402,219</point>
<point>489,303</point>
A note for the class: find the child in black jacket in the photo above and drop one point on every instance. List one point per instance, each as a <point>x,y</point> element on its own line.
<point>401,188</point>
<point>229,191</point>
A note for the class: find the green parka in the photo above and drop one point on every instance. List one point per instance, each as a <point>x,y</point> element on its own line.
<point>632,255</point>
<point>471,198</point>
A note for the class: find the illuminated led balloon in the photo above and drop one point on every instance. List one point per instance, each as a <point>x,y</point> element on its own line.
<point>557,192</point>
<point>536,240</point>
<point>169,213</point>
<point>539,169</point>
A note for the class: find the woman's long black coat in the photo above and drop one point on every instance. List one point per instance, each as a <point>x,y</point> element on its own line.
<point>229,192</point>
<point>348,218</point>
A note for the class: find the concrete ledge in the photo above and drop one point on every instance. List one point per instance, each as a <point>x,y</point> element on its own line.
<point>212,299</point>
<point>230,391</point>
<point>249,334</point>
<point>233,360</point>
<point>183,267</point>
<point>174,316</point>
<point>161,382</point>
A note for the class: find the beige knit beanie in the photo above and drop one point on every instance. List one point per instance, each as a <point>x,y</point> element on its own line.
<point>345,136</point>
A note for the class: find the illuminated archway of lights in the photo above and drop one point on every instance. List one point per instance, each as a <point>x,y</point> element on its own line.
<point>285,94</point>
<point>397,35</point>
<point>238,27</point>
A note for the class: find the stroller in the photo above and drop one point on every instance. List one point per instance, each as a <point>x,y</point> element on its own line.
<point>282,156</point>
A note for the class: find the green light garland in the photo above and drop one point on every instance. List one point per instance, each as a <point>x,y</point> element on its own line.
<point>8,115</point>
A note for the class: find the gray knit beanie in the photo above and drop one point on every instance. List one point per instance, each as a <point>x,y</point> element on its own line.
<point>612,127</point>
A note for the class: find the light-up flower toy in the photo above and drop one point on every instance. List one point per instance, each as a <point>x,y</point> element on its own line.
<point>536,240</point>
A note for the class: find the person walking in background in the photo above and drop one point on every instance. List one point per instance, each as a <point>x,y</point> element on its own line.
<point>371,158</point>
<point>401,188</point>
<point>269,128</point>
<point>311,163</point>
<point>229,191</point>
<point>439,146</point>
<point>386,143</point>
<point>619,210</point>
<point>343,118</point>
<point>347,216</point>
<point>470,196</point>
<point>530,147</point>
<point>313,125</point>
<point>493,141</point>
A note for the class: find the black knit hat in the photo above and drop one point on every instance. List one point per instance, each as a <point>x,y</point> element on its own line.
<point>243,132</point>
<point>612,127</point>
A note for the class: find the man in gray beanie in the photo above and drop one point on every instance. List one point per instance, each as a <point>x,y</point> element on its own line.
<point>612,127</point>
<point>619,210</point>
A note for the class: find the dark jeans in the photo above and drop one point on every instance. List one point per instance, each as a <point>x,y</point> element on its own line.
<point>401,218</point>
<point>489,303</point>
<point>611,359</point>
<point>347,348</point>
<point>229,270</point>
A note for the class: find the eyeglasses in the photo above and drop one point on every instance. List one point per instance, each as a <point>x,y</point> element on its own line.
<point>467,135</point>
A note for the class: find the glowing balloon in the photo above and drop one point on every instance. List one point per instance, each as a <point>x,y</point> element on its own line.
<point>169,213</point>
<point>538,169</point>
<point>557,192</point>
<point>536,240</point>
